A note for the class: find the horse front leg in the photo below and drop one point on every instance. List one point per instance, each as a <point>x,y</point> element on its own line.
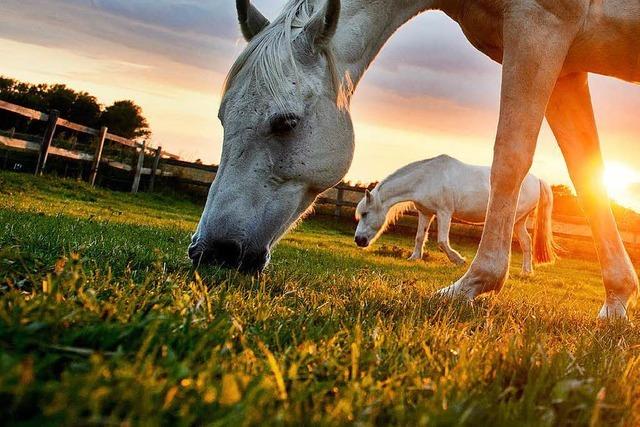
<point>422,235</point>
<point>570,115</point>
<point>444,227</point>
<point>536,43</point>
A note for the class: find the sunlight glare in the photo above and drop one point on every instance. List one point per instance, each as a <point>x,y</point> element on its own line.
<point>617,179</point>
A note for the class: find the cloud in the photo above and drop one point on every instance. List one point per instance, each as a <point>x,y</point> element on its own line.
<point>183,32</point>
<point>214,18</point>
<point>206,35</point>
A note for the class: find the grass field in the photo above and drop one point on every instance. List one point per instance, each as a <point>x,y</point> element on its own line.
<point>102,321</point>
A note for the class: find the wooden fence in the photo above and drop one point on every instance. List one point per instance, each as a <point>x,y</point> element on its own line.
<point>46,148</point>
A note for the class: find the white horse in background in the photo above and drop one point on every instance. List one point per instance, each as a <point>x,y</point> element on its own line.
<point>447,188</point>
<point>288,134</point>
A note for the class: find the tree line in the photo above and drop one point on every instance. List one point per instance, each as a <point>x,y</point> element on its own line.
<point>124,118</point>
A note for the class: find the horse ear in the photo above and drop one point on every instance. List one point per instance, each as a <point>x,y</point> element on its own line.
<point>250,18</point>
<point>322,25</point>
<point>368,196</point>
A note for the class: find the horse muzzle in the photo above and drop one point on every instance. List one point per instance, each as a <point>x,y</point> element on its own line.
<point>361,241</point>
<point>229,254</point>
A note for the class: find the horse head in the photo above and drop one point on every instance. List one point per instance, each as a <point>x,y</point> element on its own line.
<point>372,218</point>
<point>288,134</point>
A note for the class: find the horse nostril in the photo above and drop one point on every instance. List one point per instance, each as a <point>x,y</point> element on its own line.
<point>361,241</point>
<point>227,253</point>
<point>194,253</point>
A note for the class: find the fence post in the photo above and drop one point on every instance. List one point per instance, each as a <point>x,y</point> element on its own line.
<point>47,139</point>
<point>338,211</point>
<point>98,155</point>
<point>136,178</point>
<point>154,169</point>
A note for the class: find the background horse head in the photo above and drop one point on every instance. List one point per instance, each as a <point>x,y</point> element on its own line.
<point>287,134</point>
<point>374,216</point>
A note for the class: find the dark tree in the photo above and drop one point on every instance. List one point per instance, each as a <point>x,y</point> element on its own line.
<point>6,86</point>
<point>125,118</point>
<point>61,98</point>
<point>31,96</point>
<point>85,110</point>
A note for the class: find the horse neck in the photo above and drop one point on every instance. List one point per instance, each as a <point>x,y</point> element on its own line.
<point>395,190</point>
<point>365,26</point>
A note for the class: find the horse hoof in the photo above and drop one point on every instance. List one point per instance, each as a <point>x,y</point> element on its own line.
<point>613,312</point>
<point>456,291</point>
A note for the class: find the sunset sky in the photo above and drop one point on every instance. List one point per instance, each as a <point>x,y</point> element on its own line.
<point>429,92</point>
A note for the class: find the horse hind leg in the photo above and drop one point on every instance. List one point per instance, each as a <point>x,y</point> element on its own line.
<point>570,115</point>
<point>524,238</point>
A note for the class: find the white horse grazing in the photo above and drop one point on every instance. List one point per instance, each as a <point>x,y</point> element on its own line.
<point>288,134</point>
<point>447,188</point>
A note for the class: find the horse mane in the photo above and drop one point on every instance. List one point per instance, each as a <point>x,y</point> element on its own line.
<point>395,213</point>
<point>266,54</point>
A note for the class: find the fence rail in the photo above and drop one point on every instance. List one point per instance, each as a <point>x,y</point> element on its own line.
<point>23,111</point>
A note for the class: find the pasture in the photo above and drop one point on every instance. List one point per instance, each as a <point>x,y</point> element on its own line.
<point>103,321</point>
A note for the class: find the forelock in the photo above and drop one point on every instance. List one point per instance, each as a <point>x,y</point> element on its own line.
<point>269,59</point>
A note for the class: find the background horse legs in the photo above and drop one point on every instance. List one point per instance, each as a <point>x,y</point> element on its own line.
<point>422,235</point>
<point>570,115</point>
<point>524,238</point>
<point>444,226</point>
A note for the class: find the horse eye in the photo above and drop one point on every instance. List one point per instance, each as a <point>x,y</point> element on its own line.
<point>363,215</point>
<point>284,123</point>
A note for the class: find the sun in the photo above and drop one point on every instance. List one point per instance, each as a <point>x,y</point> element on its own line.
<point>618,178</point>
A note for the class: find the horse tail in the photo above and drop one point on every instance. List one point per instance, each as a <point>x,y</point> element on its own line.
<point>544,248</point>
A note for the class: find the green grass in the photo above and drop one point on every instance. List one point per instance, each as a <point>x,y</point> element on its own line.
<point>102,321</point>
